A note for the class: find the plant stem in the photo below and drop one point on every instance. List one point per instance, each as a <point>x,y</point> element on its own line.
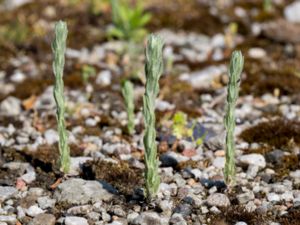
<point>58,48</point>
<point>235,70</point>
<point>153,70</point>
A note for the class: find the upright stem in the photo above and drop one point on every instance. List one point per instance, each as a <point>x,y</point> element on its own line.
<point>235,70</point>
<point>58,48</point>
<point>153,70</point>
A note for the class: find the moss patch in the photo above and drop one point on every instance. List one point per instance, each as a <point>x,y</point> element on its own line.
<point>120,175</point>
<point>276,133</point>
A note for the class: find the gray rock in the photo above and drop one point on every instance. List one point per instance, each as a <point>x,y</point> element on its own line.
<point>104,78</point>
<point>74,220</point>
<point>11,219</point>
<point>252,171</point>
<point>253,159</point>
<point>184,209</point>
<point>291,12</point>
<point>118,211</point>
<point>132,216</point>
<point>78,191</point>
<point>10,106</point>
<point>218,199</point>
<point>7,192</point>
<point>245,197</point>
<point>171,159</point>
<point>3,223</point>
<point>295,174</point>
<point>241,223</point>
<point>34,210</point>
<point>75,164</point>
<point>46,202</point>
<point>12,4</point>
<point>45,219</point>
<point>147,218</point>
<point>51,136</point>
<point>105,216</point>
<point>273,197</point>
<point>219,162</point>
<point>177,219</point>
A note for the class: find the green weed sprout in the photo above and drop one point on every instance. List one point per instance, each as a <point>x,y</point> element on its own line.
<point>128,95</point>
<point>235,70</point>
<point>128,21</point>
<point>87,71</point>
<point>58,48</point>
<point>153,70</point>
<point>267,5</point>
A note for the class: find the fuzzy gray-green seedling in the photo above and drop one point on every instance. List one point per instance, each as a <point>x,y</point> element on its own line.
<point>153,70</point>
<point>235,70</point>
<point>58,48</point>
<point>128,95</point>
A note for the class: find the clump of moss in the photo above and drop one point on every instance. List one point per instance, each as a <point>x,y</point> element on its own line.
<point>276,133</point>
<point>236,213</point>
<point>120,175</point>
<point>291,218</point>
<point>261,80</point>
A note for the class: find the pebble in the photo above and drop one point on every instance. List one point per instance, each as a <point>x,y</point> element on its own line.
<point>295,174</point>
<point>45,219</point>
<point>104,78</point>
<point>132,216</point>
<point>34,210</point>
<point>219,162</point>
<point>171,159</point>
<point>46,202</point>
<point>18,77</point>
<point>218,199</point>
<point>10,106</point>
<point>177,219</point>
<point>145,217</point>
<point>241,223</point>
<point>7,193</point>
<point>11,219</point>
<point>257,53</point>
<point>253,159</point>
<point>75,164</point>
<point>291,12</point>
<point>79,191</point>
<point>273,197</point>
<point>74,220</point>
<point>51,136</point>
<point>245,197</point>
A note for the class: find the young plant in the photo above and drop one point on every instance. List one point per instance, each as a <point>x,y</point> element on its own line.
<point>128,94</point>
<point>235,70</point>
<point>153,70</point>
<point>267,5</point>
<point>128,21</point>
<point>58,48</point>
<point>87,71</point>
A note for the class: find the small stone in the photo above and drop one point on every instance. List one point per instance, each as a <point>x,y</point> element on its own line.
<point>295,174</point>
<point>245,197</point>
<point>184,209</point>
<point>18,77</point>
<point>177,219</point>
<point>252,171</point>
<point>51,136</point>
<point>75,165</point>
<point>148,218</point>
<point>118,211</point>
<point>241,223</point>
<point>105,216</point>
<point>78,192</point>
<point>7,192</point>
<point>10,106</point>
<point>45,219</point>
<point>74,220</point>
<point>287,196</point>
<point>291,12</point>
<point>273,197</point>
<point>104,78</point>
<point>34,210</point>
<point>11,220</point>
<point>214,210</point>
<point>253,159</point>
<point>132,216</point>
<point>219,162</point>
<point>46,202</point>
<point>257,53</point>
<point>218,199</point>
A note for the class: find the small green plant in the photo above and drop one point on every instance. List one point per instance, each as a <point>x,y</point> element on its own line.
<point>128,94</point>
<point>235,70</point>
<point>153,70</point>
<point>267,5</point>
<point>183,129</point>
<point>128,21</point>
<point>87,72</point>
<point>58,48</point>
